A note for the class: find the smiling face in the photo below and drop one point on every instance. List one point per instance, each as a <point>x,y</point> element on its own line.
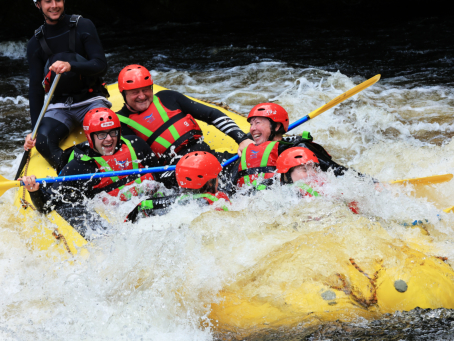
<point>139,99</point>
<point>52,9</point>
<point>105,146</point>
<point>260,129</point>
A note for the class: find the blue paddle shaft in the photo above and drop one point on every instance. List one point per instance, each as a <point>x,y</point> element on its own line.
<point>104,174</point>
<point>140,170</point>
<point>290,127</point>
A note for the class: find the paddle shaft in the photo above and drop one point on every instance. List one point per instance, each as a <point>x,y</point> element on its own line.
<point>306,118</point>
<point>353,91</point>
<point>103,175</point>
<point>47,100</point>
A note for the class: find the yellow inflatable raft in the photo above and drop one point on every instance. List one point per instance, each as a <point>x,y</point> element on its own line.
<point>314,278</point>
<point>63,237</point>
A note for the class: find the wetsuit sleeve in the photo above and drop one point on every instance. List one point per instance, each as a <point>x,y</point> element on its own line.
<point>49,198</point>
<point>96,65</point>
<point>174,100</point>
<point>35,91</point>
<point>73,191</point>
<point>39,199</point>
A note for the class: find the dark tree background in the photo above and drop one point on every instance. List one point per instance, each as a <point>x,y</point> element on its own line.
<point>19,18</point>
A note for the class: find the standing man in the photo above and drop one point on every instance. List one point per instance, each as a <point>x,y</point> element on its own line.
<point>67,45</point>
<point>167,120</point>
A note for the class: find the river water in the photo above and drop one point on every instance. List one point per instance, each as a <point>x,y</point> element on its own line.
<point>401,127</point>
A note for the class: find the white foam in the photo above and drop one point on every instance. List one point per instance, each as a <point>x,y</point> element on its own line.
<point>156,279</point>
<point>13,49</point>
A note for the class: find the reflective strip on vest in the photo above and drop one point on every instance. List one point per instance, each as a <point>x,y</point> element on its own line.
<point>308,189</point>
<point>105,165</point>
<point>147,132</point>
<point>263,162</point>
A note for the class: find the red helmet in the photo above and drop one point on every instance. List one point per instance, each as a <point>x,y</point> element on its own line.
<point>272,111</point>
<point>99,119</point>
<point>293,157</point>
<point>134,77</point>
<point>196,168</point>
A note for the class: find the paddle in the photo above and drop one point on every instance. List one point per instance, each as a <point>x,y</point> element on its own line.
<point>434,179</point>
<point>327,106</point>
<point>47,100</point>
<point>6,184</point>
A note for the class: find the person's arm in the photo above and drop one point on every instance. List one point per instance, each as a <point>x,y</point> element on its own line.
<point>35,90</point>
<point>175,100</point>
<point>97,62</point>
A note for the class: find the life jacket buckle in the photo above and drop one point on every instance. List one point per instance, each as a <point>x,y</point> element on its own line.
<point>39,32</point>
<point>69,102</point>
<point>74,20</point>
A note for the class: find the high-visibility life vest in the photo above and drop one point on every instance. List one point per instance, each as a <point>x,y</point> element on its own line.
<point>162,128</point>
<point>257,161</point>
<point>123,159</point>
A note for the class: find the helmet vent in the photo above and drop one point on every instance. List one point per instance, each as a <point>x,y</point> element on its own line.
<point>200,176</point>
<point>101,118</point>
<point>148,77</point>
<point>298,157</point>
<point>110,117</point>
<point>189,179</point>
<point>261,109</point>
<point>129,82</point>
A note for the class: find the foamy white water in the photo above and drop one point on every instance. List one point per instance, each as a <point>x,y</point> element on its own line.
<point>156,279</point>
<point>13,49</point>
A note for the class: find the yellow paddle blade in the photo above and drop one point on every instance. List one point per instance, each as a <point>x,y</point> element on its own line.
<point>435,179</point>
<point>345,95</point>
<point>449,209</point>
<point>6,184</point>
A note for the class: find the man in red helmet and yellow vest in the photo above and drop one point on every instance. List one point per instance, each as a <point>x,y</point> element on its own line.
<point>167,119</point>
<point>300,167</point>
<point>105,150</point>
<point>257,165</point>
<point>197,176</point>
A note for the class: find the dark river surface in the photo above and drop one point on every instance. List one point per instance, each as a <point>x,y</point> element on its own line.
<point>401,127</point>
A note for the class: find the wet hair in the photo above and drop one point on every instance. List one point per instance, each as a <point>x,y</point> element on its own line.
<point>273,125</point>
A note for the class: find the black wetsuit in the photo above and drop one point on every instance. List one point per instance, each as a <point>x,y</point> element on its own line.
<point>174,100</point>
<point>87,45</point>
<point>67,198</point>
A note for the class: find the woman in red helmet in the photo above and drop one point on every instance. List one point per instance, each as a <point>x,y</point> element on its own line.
<point>167,120</point>
<point>105,150</point>
<point>257,166</point>
<point>300,166</point>
<point>197,176</point>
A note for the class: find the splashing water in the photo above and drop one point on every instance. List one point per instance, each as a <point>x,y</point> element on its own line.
<point>156,279</point>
